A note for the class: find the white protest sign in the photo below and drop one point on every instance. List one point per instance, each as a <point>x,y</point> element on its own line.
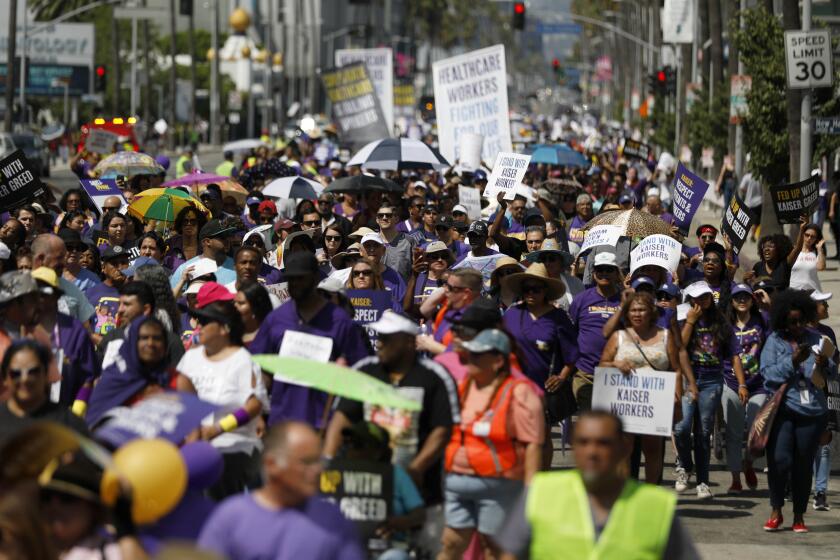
<point>470,198</point>
<point>644,400</point>
<point>659,250</point>
<point>508,172</point>
<point>100,141</point>
<point>470,153</point>
<point>380,67</point>
<point>600,235</point>
<point>471,96</point>
<point>298,344</point>
<point>280,291</point>
<point>808,59</point>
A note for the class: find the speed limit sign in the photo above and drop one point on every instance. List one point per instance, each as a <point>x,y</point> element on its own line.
<point>808,59</point>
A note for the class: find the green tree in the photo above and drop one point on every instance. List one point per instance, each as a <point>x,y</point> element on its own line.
<point>707,125</point>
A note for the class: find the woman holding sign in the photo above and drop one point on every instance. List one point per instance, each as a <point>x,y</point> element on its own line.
<point>643,344</point>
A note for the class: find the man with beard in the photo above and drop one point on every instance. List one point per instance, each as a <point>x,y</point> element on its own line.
<point>595,511</point>
<point>311,327</point>
<point>214,239</point>
<point>48,250</point>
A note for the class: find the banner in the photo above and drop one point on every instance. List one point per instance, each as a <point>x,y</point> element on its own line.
<point>644,400</point>
<point>19,182</point>
<point>354,104</point>
<point>507,175</point>
<point>737,222</point>
<point>100,141</point>
<point>470,198</point>
<point>832,393</point>
<point>659,250</point>
<point>100,189</point>
<point>470,152</point>
<point>600,235</point>
<point>687,193</point>
<point>405,99</point>
<point>471,96</point>
<point>380,68</point>
<point>280,291</point>
<point>636,149</point>
<point>369,305</point>
<point>362,490</point>
<point>793,201</point>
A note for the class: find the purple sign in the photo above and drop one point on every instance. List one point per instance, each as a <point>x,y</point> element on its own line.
<point>100,189</point>
<point>688,191</point>
<point>369,305</point>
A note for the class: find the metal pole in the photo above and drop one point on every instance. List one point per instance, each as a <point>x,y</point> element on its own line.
<point>23,68</point>
<point>66,103</point>
<point>268,95</point>
<point>695,39</point>
<point>250,97</point>
<point>215,121</point>
<point>805,121</point>
<point>173,75</point>
<point>8,118</point>
<point>739,131</point>
<point>133,102</point>
<point>677,111</point>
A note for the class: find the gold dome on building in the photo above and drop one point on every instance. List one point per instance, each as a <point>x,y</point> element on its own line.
<point>239,20</point>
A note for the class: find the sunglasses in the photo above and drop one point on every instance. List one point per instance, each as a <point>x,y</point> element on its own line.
<point>16,374</point>
<point>332,237</point>
<point>664,296</point>
<point>604,270</point>
<point>437,257</point>
<point>533,289</point>
<point>313,223</point>
<point>455,289</point>
<point>323,202</point>
<point>384,216</point>
<point>360,273</point>
<point>550,258</point>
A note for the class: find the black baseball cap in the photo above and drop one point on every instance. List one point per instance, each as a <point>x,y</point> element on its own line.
<point>70,237</point>
<point>482,313</point>
<point>445,221</point>
<point>115,252</point>
<point>479,227</point>
<point>215,228</point>
<point>300,263</point>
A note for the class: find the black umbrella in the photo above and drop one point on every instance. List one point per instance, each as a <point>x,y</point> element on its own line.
<point>361,183</point>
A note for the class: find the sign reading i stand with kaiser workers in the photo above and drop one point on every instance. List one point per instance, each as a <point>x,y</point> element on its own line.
<point>808,59</point>
<point>354,104</point>
<point>471,96</point>
<point>688,192</point>
<point>18,181</point>
<point>793,201</point>
<point>507,175</point>
<point>644,399</point>
<point>380,67</point>
<point>659,250</point>
<point>737,221</point>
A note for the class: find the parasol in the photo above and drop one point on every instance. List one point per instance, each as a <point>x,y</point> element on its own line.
<point>163,204</point>
<point>128,164</point>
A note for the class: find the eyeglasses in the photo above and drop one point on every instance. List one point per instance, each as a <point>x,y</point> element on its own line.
<point>332,237</point>
<point>365,272</point>
<point>604,270</point>
<point>456,289</point>
<point>16,374</point>
<point>313,223</point>
<point>712,261</point>
<point>533,289</point>
<point>664,296</point>
<point>384,216</point>
<point>437,257</point>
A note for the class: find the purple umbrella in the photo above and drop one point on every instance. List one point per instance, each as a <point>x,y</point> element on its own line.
<point>196,179</point>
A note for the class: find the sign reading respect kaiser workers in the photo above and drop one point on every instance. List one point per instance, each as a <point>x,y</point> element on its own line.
<point>659,250</point>
<point>644,399</point>
<point>18,181</point>
<point>354,104</point>
<point>369,305</point>
<point>688,192</point>
<point>507,175</point>
<point>471,96</point>
<point>737,222</point>
<point>793,201</point>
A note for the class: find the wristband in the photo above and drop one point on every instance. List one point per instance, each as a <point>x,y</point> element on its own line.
<point>79,407</point>
<point>232,421</point>
<point>742,385</point>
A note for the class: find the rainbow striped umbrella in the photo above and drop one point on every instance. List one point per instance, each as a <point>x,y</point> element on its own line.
<point>163,204</point>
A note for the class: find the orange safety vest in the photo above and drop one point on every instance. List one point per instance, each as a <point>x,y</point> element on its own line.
<point>490,449</point>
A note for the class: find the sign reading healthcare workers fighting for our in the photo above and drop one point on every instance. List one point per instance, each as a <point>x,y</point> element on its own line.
<point>369,305</point>
<point>19,181</point>
<point>600,235</point>
<point>471,96</point>
<point>659,250</point>
<point>687,193</point>
<point>737,222</point>
<point>100,189</point>
<point>380,67</point>
<point>808,59</point>
<point>791,202</point>
<point>362,490</point>
<point>644,399</point>
<point>635,149</point>
<point>355,105</point>
<point>507,175</point>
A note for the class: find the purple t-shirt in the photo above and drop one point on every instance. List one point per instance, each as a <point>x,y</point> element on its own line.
<point>105,300</point>
<point>79,362</point>
<point>589,312</point>
<point>424,287</point>
<point>395,284</point>
<point>576,230</point>
<point>268,274</point>
<point>547,343</point>
<point>706,353</point>
<point>750,340</point>
<point>450,317</point>
<point>293,402</point>
<point>241,529</point>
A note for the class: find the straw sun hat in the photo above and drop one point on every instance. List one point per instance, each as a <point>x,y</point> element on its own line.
<point>537,271</point>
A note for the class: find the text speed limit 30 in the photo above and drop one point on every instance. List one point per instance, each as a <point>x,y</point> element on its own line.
<point>808,59</point>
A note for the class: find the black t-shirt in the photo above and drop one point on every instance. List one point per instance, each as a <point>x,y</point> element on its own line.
<point>427,382</point>
<point>780,275</point>
<point>11,424</point>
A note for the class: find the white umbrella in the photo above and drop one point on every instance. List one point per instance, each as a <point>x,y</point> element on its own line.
<point>398,153</point>
<point>293,187</point>
<point>242,145</point>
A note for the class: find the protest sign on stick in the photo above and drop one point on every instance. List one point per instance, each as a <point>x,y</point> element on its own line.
<point>600,235</point>
<point>644,399</point>
<point>687,193</point>
<point>355,105</point>
<point>635,149</point>
<point>737,222</point>
<point>470,198</point>
<point>470,153</point>
<point>100,141</point>
<point>659,250</point>
<point>98,190</point>
<point>369,305</point>
<point>380,67</point>
<point>19,181</point>
<point>507,175</point>
<point>362,490</point>
<point>793,201</point>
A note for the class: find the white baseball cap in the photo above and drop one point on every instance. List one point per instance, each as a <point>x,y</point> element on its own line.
<point>372,237</point>
<point>420,185</point>
<point>194,287</point>
<point>392,322</point>
<point>817,295</point>
<point>204,266</point>
<point>605,258</point>
<point>697,289</point>
<point>5,252</point>
<point>459,208</point>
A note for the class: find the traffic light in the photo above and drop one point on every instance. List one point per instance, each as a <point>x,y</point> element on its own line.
<point>427,107</point>
<point>519,15</point>
<point>185,7</point>
<point>655,87</point>
<point>555,65</point>
<point>670,80</point>
<point>100,81</point>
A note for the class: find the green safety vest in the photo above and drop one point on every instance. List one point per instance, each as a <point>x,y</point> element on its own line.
<point>180,171</point>
<point>561,520</point>
<point>225,169</point>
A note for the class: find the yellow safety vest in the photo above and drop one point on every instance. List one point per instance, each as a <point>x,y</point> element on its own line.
<point>225,169</point>
<point>561,520</point>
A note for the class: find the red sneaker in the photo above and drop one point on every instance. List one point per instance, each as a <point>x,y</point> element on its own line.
<point>800,527</point>
<point>735,488</point>
<point>774,525</point>
<point>750,478</point>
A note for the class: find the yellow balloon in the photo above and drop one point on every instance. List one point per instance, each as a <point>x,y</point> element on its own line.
<point>239,20</point>
<point>156,473</point>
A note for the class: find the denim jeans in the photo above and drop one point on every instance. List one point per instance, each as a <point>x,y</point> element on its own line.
<point>822,468</point>
<point>699,415</point>
<point>738,419</point>
<point>790,456</point>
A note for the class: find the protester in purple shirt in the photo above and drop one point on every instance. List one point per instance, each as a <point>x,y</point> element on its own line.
<point>105,297</point>
<point>283,520</point>
<point>306,314</point>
